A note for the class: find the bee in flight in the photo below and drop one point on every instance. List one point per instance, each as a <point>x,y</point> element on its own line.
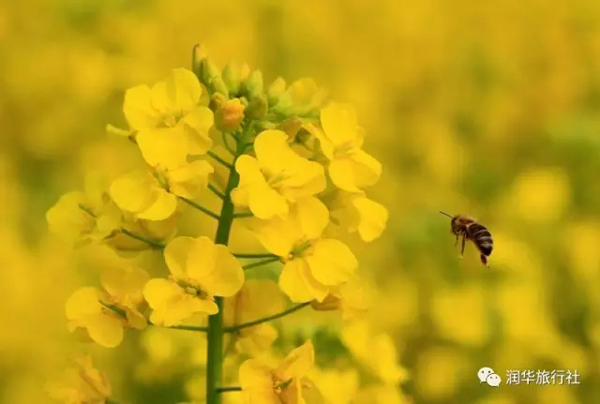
<point>468,228</point>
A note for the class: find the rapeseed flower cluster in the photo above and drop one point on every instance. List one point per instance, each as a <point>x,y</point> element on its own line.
<point>296,178</point>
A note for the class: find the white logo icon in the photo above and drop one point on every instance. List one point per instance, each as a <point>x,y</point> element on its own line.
<point>488,376</point>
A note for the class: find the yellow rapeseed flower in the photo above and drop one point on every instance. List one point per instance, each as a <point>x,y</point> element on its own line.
<point>357,213</point>
<point>336,386</point>
<point>153,195</point>
<point>282,384</point>
<point>341,139</point>
<point>350,298</point>
<point>200,270</point>
<point>314,265</point>
<point>82,384</point>
<point>168,120</point>
<point>376,352</point>
<point>257,299</point>
<point>82,217</point>
<point>300,98</point>
<point>276,178</point>
<point>104,314</point>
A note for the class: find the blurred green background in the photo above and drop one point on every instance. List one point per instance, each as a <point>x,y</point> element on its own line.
<point>486,108</point>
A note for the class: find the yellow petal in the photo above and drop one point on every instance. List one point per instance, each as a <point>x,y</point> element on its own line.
<point>298,284</point>
<point>190,179</point>
<point>331,262</point>
<point>327,147</point>
<point>83,302</point>
<point>67,220</point>
<point>125,283</point>
<point>340,124</point>
<point>386,361</point>
<point>158,292</point>
<point>104,329</point>
<point>163,147</point>
<point>196,125</point>
<point>292,393</point>
<point>172,305</point>
<point>266,203</point>
<point>215,268</point>
<point>298,363</point>
<point>304,178</point>
<point>277,235</point>
<point>311,216</point>
<point>253,375</point>
<point>176,255</point>
<point>258,298</point>
<point>256,339</point>
<point>138,108</point>
<point>250,177</point>
<point>202,259</point>
<point>163,205</point>
<point>182,89</point>
<point>135,319</point>
<point>355,171</point>
<point>132,192</point>
<point>373,218</point>
<point>272,150</point>
<point>96,185</point>
<point>294,176</point>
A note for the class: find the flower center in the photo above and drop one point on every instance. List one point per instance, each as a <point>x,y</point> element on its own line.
<point>191,288</point>
<point>344,150</point>
<point>161,176</point>
<point>301,248</point>
<point>276,180</point>
<point>170,120</point>
<point>279,385</point>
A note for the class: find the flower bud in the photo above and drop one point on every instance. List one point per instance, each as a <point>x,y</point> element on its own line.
<point>275,90</point>
<point>245,71</point>
<point>198,55</point>
<point>210,76</point>
<point>232,76</point>
<point>229,115</point>
<point>258,107</point>
<point>284,105</point>
<point>291,127</point>
<point>330,303</point>
<point>216,100</point>
<point>219,86</point>
<point>253,85</point>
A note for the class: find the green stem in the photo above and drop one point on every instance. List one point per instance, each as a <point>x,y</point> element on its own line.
<point>254,255</point>
<point>226,143</point>
<point>200,208</point>
<point>261,263</point>
<point>154,244</point>
<point>242,215</point>
<point>215,191</point>
<point>284,313</point>
<point>228,389</point>
<point>219,159</point>
<point>189,328</point>
<point>214,364</point>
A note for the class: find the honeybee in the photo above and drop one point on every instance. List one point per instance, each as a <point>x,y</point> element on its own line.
<point>469,229</point>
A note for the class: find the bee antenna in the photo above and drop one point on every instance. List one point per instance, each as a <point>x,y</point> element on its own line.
<point>445,214</point>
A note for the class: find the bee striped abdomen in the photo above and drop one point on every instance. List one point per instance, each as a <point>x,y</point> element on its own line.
<point>481,237</point>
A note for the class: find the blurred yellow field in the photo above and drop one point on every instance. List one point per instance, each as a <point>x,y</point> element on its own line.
<point>488,109</point>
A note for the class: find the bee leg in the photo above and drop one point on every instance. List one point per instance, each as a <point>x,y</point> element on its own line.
<point>484,260</point>
<point>456,243</point>
<point>462,250</point>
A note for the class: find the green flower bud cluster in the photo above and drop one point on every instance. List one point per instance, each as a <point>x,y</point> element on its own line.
<point>239,93</point>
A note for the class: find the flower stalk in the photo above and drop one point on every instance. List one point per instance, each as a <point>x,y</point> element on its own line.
<point>214,365</point>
